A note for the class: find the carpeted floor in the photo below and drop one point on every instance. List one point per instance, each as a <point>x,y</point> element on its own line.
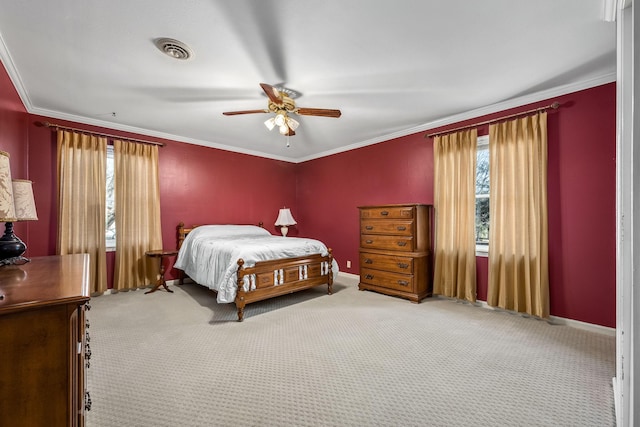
<point>350,359</point>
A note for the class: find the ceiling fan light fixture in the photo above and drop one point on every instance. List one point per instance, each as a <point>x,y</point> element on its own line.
<point>270,123</point>
<point>292,123</point>
<point>280,119</point>
<point>280,104</point>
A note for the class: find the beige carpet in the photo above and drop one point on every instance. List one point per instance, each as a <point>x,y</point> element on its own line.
<point>350,359</point>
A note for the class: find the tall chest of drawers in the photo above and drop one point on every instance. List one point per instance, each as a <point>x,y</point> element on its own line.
<point>395,250</point>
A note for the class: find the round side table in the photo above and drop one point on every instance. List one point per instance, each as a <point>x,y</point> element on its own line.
<point>162,254</point>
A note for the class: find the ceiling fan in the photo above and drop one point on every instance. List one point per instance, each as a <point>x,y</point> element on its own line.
<point>282,104</point>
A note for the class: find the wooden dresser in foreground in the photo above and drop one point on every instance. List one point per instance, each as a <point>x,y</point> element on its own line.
<point>395,250</point>
<point>43,341</point>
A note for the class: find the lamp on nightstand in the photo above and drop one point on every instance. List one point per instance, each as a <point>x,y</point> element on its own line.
<point>285,219</point>
<point>16,204</point>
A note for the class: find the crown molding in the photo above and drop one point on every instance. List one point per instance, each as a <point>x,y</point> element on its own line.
<point>494,108</point>
<point>478,112</point>
<point>609,10</point>
<point>147,132</point>
<point>9,65</point>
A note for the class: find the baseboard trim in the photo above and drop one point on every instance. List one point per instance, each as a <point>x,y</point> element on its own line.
<point>111,291</point>
<point>556,320</point>
<point>616,395</point>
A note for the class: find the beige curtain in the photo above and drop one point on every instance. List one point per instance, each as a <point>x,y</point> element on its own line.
<point>137,200</point>
<point>518,230</point>
<point>81,167</point>
<point>455,196</point>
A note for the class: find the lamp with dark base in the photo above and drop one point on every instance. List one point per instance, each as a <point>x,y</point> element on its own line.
<point>11,247</point>
<point>16,204</point>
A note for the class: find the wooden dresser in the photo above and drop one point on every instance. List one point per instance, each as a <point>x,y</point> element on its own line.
<point>395,250</point>
<point>43,341</point>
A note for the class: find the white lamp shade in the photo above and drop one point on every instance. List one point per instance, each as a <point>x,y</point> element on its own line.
<point>292,123</point>
<point>23,201</point>
<point>280,119</point>
<point>285,218</point>
<point>7,208</point>
<point>270,123</point>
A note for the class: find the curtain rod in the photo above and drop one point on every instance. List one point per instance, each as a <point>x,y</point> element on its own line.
<point>555,106</point>
<point>57,126</point>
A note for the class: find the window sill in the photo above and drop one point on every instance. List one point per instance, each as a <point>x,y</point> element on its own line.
<point>482,250</point>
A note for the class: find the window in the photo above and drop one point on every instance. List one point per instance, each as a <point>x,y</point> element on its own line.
<point>110,228</point>
<point>482,195</point>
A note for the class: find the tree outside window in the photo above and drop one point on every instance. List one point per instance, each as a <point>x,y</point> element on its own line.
<point>482,194</point>
<point>111,207</point>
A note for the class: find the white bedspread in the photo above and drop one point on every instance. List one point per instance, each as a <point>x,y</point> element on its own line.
<point>209,254</point>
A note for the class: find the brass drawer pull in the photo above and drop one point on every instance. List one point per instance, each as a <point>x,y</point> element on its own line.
<point>384,213</point>
<point>401,228</point>
<point>369,276</point>
<point>403,265</point>
<point>403,283</point>
<point>369,227</point>
<point>368,261</point>
<point>402,243</point>
<point>369,241</point>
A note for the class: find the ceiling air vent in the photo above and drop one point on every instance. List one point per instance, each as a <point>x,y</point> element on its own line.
<point>173,48</point>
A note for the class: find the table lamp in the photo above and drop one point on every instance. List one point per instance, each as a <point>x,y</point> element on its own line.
<point>285,219</point>
<point>16,204</point>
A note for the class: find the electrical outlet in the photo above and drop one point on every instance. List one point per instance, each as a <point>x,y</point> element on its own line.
<point>348,264</point>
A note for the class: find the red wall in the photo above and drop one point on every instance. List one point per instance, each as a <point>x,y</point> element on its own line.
<point>14,138</point>
<point>581,199</point>
<point>199,185</point>
<point>331,188</point>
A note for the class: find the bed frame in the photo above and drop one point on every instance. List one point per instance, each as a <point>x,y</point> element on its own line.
<point>275,277</point>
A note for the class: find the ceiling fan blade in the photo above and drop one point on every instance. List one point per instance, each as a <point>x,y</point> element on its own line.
<point>234,113</point>
<point>291,132</point>
<point>323,112</point>
<point>272,93</point>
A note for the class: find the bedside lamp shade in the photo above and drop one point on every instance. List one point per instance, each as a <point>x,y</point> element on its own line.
<point>285,219</point>
<point>7,208</point>
<point>23,201</point>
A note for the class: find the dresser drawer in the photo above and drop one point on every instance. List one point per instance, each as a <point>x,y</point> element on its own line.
<point>395,212</point>
<point>394,243</point>
<point>401,282</point>
<point>397,227</point>
<point>396,264</point>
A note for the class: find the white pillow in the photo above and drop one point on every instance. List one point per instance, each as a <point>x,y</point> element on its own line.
<point>228,231</point>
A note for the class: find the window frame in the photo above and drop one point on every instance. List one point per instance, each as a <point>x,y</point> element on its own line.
<point>482,143</point>
<point>110,243</point>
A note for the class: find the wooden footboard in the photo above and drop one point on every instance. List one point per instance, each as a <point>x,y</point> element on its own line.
<point>282,276</point>
<point>273,278</point>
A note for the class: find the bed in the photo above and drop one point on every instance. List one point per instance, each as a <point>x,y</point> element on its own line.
<point>246,263</point>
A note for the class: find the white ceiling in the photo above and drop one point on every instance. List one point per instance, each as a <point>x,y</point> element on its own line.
<point>392,67</point>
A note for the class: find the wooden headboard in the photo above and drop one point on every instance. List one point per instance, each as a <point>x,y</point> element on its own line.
<point>183,231</point>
